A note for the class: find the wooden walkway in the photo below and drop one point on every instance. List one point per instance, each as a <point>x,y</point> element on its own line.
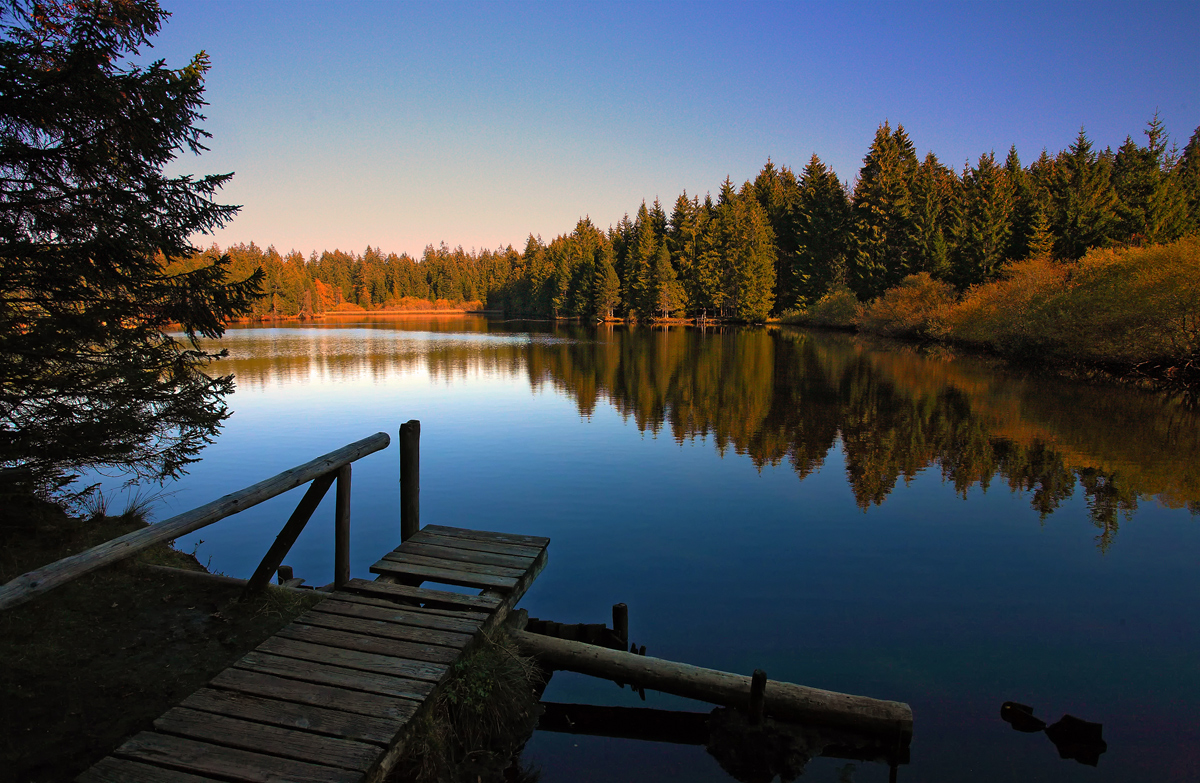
<point>328,698</point>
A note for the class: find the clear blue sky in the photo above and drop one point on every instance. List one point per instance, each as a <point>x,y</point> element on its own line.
<point>399,125</point>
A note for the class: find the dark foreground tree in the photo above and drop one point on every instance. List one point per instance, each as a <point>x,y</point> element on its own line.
<point>89,374</point>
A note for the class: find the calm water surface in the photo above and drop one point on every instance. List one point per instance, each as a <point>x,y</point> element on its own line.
<point>863,519</point>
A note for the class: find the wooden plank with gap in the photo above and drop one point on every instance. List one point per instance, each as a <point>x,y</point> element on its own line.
<point>448,576</point>
<point>259,684</point>
<point>437,598</point>
<point>406,556</point>
<point>352,659</point>
<point>387,630</point>
<point>456,554</point>
<point>495,547</point>
<point>231,764</point>
<point>393,603</point>
<point>113,770</point>
<point>539,542</point>
<point>339,676</point>
<point>329,722</point>
<point>296,744</point>
<point>389,612</point>
<point>369,644</point>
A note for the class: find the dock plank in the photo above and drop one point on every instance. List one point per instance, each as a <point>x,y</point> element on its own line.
<point>539,542</point>
<point>436,598</point>
<point>259,684</point>
<point>294,744</point>
<point>113,770</point>
<point>389,612</point>
<point>478,545</point>
<point>448,576</point>
<point>386,629</point>
<point>332,723</point>
<point>369,644</point>
<point>351,659</point>
<point>230,764</point>
<point>339,676</point>
<point>392,602</point>
<point>456,554</point>
<point>408,557</point>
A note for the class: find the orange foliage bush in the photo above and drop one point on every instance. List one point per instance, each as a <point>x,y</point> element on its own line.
<point>918,307</point>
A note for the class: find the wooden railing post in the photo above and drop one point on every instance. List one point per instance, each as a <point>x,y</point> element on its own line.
<point>341,529</point>
<point>410,478</point>
<point>291,531</point>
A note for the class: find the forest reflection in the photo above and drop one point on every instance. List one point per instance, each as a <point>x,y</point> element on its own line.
<point>785,394</point>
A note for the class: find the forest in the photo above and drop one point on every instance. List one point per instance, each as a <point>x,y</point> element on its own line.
<point>776,245</point>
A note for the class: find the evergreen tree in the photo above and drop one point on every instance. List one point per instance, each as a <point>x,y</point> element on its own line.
<point>89,373</point>
<point>1151,204</point>
<point>882,212</point>
<point>1189,181</point>
<point>778,193</point>
<point>606,288</point>
<point>822,221</point>
<point>1085,205</point>
<point>983,233</point>
<point>641,263</point>
<point>933,201</point>
<point>669,297</point>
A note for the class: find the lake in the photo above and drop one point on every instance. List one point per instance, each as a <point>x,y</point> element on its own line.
<point>852,516</point>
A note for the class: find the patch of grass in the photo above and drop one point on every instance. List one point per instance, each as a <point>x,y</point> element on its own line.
<point>98,659</point>
<point>479,720</point>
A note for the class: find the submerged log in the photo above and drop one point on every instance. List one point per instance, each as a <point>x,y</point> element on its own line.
<point>781,700</point>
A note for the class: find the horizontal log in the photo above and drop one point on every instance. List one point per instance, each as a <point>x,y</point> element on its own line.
<point>25,587</point>
<point>782,700</point>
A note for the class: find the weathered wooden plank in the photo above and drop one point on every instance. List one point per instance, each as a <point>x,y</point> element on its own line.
<point>368,644</point>
<point>393,603</point>
<point>445,576</point>
<point>478,545</point>
<point>435,598</point>
<point>782,700</point>
<point>352,659</point>
<point>460,564</point>
<point>259,684</point>
<point>518,562</point>
<point>272,740</point>
<point>514,596</point>
<point>113,770</point>
<point>391,613</point>
<point>288,535</point>
<point>35,582</point>
<point>228,763</point>
<point>486,535</point>
<point>337,676</point>
<point>388,630</point>
<point>333,723</point>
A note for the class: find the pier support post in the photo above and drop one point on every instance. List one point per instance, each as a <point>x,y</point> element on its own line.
<point>410,478</point>
<point>341,529</point>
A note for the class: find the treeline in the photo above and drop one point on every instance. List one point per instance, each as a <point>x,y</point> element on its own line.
<point>782,241</point>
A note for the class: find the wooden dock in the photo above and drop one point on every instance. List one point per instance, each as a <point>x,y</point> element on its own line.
<point>329,697</point>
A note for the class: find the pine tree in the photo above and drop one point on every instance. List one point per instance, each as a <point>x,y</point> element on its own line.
<point>882,212</point>
<point>822,222</point>
<point>778,192</point>
<point>1085,205</point>
<point>982,239</point>
<point>89,373</point>
<point>606,288</point>
<point>641,263</point>
<point>1151,204</point>
<point>933,194</point>
<point>1189,181</point>
<point>669,297</point>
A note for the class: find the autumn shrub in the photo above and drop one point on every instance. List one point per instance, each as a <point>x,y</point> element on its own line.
<point>837,308</point>
<point>1123,307</point>
<point>919,307</point>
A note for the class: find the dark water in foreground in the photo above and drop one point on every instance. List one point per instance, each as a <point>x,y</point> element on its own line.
<point>856,518</point>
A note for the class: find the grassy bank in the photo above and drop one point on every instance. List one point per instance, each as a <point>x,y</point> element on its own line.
<point>1131,312</point>
<point>98,659</point>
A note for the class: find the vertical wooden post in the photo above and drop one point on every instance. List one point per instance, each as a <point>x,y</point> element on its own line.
<point>341,529</point>
<point>621,623</point>
<point>410,478</point>
<point>758,689</point>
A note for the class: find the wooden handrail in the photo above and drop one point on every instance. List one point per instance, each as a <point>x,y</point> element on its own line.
<point>26,586</point>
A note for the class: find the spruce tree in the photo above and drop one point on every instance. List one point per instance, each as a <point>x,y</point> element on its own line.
<point>1151,205</point>
<point>89,373</point>
<point>1189,180</point>
<point>1085,205</point>
<point>883,214</point>
<point>933,195</point>
<point>983,233</point>
<point>606,288</point>
<point>822,223</point>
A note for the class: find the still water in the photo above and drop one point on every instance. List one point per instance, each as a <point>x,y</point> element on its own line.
<point>850,516</point>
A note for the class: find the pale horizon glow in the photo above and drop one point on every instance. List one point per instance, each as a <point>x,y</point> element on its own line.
<point>403,125</point>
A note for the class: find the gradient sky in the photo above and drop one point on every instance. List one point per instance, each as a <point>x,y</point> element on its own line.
<point>399,125</point>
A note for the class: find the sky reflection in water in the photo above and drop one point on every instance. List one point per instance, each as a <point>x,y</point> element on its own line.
<point>854,518</point>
